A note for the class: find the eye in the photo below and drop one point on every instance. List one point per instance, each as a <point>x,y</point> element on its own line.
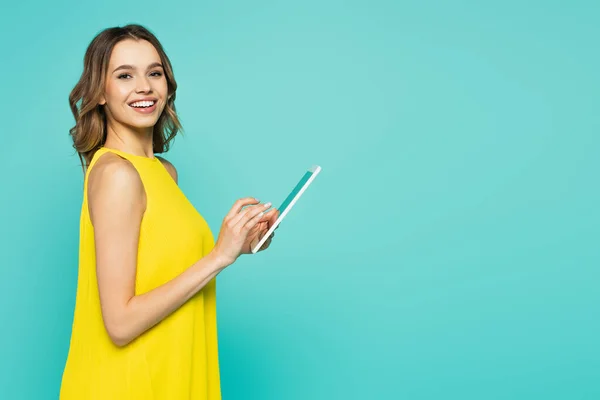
<point>123,75</point>
<point>156,73</point>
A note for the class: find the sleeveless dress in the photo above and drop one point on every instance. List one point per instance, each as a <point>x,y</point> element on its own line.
<point>178,357</point>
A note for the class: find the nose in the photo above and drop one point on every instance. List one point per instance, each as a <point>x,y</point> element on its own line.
<point>143,85</point>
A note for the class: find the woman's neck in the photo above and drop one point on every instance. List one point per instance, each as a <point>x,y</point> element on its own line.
<point>129,140</point>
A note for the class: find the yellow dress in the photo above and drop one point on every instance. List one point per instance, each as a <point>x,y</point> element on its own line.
<point>178,357</point>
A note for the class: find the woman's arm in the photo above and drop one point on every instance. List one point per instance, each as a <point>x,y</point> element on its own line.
<point>117,202</point>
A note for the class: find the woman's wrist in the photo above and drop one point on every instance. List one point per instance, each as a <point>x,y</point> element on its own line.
<point>219,261</point>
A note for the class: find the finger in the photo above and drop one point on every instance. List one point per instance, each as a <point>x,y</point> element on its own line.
<point>265,245</point>
<point>237,206</point>
<point>264,234</point>
<point>247,214</point>
<point>252,218</point>
<point>269,239</point>
<point>254,242</point>
<point>273,218</point>
<point>250,214</point>
<point>269,216</point>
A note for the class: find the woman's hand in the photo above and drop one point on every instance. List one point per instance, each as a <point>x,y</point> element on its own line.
<point>259,230</point>
<point>236,226</point>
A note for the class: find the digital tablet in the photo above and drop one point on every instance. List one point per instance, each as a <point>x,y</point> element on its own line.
<point>287,205</point>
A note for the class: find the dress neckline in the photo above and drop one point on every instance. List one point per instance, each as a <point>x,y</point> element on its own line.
<point>123,153</point>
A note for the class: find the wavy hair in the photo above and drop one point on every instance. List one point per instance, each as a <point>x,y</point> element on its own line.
<point>89,132</point>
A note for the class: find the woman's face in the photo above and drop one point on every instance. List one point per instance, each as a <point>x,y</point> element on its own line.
<point>134,74</point>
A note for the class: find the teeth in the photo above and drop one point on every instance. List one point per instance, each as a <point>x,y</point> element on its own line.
<point>142,104</point>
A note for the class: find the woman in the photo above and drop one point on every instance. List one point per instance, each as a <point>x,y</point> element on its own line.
<point>145,314</point>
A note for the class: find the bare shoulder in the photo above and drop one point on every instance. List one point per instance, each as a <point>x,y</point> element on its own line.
<point>114,183</point>
<point>169,166</point>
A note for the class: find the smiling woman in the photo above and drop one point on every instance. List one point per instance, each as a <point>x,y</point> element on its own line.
<point>110,51</point>
<point>145,322</point>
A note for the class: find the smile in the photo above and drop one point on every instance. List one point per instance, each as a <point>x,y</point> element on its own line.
<point>144,106</point>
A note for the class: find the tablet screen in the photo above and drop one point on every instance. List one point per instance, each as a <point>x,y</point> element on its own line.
<point>294,192</point>
<point>291,199</point>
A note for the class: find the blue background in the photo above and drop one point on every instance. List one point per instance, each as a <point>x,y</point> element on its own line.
<point>449,247</point>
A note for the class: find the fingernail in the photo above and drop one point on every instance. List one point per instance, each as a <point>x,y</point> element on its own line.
<point>267,205</point>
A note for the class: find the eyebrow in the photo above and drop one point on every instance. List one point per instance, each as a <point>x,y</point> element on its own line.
<point>156,64</point>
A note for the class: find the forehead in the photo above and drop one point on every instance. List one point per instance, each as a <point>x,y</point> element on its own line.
<point>138,53</point>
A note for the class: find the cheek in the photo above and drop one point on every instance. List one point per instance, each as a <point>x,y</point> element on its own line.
<point>115,92</point>
<point>109,95</point>
<point>164,88</point>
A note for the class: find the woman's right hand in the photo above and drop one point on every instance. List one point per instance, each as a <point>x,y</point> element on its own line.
<point>236,226</point>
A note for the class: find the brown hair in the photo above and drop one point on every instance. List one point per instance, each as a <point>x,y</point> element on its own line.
<point>89,132</point>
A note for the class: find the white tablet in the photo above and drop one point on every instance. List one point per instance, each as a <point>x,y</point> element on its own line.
<point>287,205</point>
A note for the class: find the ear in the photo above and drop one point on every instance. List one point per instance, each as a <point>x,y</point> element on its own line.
<point>102,101</point>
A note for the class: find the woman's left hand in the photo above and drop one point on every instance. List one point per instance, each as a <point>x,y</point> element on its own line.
<point>259,230</point>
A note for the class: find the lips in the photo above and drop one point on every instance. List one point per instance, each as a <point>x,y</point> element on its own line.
<point>147,109</point>
<point>143,102</point>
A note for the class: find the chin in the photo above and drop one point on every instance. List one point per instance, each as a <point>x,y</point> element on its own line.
<point>141,124</point>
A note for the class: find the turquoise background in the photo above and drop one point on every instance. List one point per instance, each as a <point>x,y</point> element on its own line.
<point>449,247</point>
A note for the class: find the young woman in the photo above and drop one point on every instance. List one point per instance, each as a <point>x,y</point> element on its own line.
<point>145,313</point>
